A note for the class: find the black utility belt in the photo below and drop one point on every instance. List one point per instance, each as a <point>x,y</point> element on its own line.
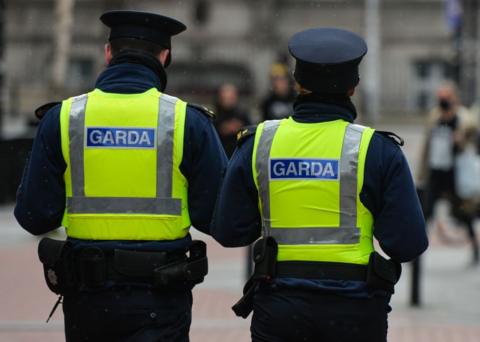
<point>380,274</point>
<point>67,269</point>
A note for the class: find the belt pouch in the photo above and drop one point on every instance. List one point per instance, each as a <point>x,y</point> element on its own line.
<point>265,258</point>
<point>92,267</point>
<point>382,274</point>
<point>55,257</point>
<point>173,274</point>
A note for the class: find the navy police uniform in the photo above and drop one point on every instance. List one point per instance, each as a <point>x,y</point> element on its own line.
<point>300,309</point>
<point>123,310</point>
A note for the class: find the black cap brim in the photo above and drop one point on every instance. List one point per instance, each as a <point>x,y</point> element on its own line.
<point>142,25</point>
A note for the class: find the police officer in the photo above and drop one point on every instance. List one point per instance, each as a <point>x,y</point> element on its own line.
<point>127,169</point>
<point>317,188</point>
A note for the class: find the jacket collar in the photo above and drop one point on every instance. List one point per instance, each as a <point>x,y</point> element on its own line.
<point>128,78</point>
<point>312,110</point>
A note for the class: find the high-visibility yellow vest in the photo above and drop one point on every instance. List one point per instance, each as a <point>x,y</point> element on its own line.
<point>123,155</point>
<point>309,177</point>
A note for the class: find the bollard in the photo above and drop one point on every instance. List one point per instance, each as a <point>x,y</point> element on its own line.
<point>415,293</point>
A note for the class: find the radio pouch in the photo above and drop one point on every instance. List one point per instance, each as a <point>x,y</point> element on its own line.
<point>53,255</point>
<point>382,274</point>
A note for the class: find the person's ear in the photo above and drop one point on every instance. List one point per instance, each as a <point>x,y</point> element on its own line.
<point>163,56</point>
<point>108,53</point>
<point>351,92</point>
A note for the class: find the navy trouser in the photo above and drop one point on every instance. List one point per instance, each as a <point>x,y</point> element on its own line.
<point>131,315</point>
<point>284,315</point>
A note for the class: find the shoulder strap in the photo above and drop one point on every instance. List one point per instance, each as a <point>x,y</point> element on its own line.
<point>244,133</point>
<point>208,112</point>
<point>43,109</point>
<point>392,136</point>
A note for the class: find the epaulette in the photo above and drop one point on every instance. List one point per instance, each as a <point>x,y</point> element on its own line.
<point>392,136</point>
<point>244,133</point>
<point>208,112</point>
<point>43,109</point>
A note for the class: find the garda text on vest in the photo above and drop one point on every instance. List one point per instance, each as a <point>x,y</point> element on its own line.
<point>120,137</point>
<point>320,169</point>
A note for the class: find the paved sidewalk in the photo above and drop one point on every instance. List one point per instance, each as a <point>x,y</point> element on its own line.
<point>451,289</point>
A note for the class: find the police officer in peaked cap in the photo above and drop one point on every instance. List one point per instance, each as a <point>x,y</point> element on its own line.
<point>315,189</point>
<point>127,170</point>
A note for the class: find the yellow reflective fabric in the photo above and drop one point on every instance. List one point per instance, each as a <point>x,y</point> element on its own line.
<point>305,215</point>
<point>118,197</point>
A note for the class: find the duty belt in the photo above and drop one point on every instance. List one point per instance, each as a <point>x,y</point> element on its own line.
<point>380,273</point>
<point>67,269</point>
<point>160,269</point>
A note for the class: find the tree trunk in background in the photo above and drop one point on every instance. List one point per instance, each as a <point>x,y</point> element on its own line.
<point>63,38</point>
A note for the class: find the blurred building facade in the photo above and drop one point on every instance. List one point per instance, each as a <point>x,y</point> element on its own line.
<point>227,40</point>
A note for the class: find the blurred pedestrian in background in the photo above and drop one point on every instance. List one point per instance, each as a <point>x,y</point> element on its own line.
<point>278,104</point>
<point>451,132</point>
<point>230,116</point>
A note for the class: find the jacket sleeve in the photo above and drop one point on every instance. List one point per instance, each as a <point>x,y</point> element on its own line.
<point>390,194</point>
<point>41,195</point>
<point>237,217</point>
<point>203,164</point>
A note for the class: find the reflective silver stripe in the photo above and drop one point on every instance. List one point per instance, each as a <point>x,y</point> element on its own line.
<point>124,205</point>
<point>262,165</point>
<point>315,235</point>
<point>348,175</point>
<point>165,131</point>
<point>76,137</point>
<point>347,232</point>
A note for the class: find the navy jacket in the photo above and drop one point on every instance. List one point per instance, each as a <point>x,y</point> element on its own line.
<point>388,192</point>
<point>41,195</point>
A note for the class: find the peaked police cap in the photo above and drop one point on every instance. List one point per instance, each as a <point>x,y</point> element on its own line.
<point>327,59</point>
<point>152,27</point>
